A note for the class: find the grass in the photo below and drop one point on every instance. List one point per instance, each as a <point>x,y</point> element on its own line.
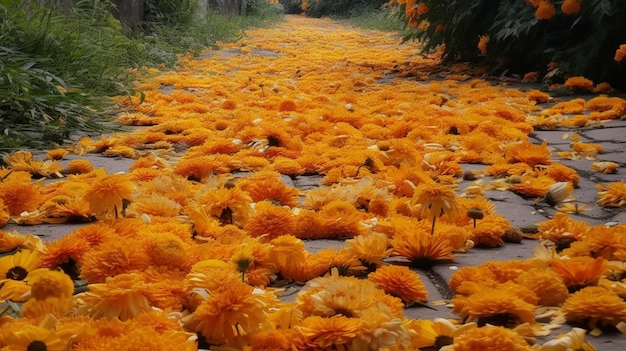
<point>376,19</point>
<point>59,69</point>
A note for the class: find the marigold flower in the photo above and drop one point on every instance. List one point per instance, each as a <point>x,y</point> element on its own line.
<point>401,282</point>
<point>19,194</point>
<point>612,195</point>
<point>108,193</point>
<point>370,248</point>
<point>324,332</point>
<point>578,272</point>
<point>570,7</point>
<point>545,10</point>
<point>620,53</point>
<point>271,220</point>
<point>595,306</point>
<point>482,44</point>
<point>494,306</point>
<point>122,255</point>
<point>230,311</point>
<point>50,283</point>
<point>420,247</point>
<point>121,296</point>
<point>546,284</point>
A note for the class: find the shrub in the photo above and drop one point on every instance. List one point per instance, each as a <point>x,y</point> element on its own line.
<point>524,35</point>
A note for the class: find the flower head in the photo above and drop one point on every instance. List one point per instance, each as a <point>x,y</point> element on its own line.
<point>401,282</point>
<point>18,265</point>
<point>490,338</point>
<point>108,192</point>
<point>595,306</point>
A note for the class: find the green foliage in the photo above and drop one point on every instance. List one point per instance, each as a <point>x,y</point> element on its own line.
<point>378,19</point>
<point>341,8</point>
<point>59,67</point>
<point>583,43</point>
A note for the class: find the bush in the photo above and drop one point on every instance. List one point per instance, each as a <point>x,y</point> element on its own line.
<point>524,35</point>
<point>340,8</point>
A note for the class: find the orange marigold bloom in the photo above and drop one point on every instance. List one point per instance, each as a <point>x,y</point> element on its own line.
<point>268,185</point>
<point>489,231</point>
<point>490,338</point>
<point>420,247</point>
<point>370,248</point>
<point>19,194</point>
<point>121,296</point>
<point>230,311</point>
<point>401,282</point>
<point>578,83</point>
<point>271,220</point>
<point>436,199</point>
<point>108,192</point>
<point>546,284</point>
<point>612,195</point>
<point>570,7</point>
<point>122,255</point>
<point>595,306</point>
<point>46,283</point>
<point>545,10</point>
<point>494,306</point>
<point>562,173</point>
<point>578,272</point>
<point>482,44</point>
<point>528,153</point>
<point>323,333</point>
<point>620,53</point>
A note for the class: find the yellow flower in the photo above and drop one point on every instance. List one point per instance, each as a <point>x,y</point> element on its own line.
<point>494,306</point>
<point>482,44</point>
<point>113,257</point>
<point>435,333</point>
<point>230,311</point>
<point>370,248</point>
<point>401,282</point>
<point>570,7</point>
<point>546,284</point>
<point>18,265</point>
<point>573,340</point>
<point>578,272</point>
<point>620,53</point>
<point>39,309</point>
<point>595,306</point>
<point>32,337</point>
<point>612,195</point>
<point>79,166</point>
<point>19,194</point>
<point>271,221</point>
<point>108,192</point>
<point>47,283</point>
<point>122,296</point>
<point>436,199</point>
<point>545,10</point>
<point>420,247</point>
<point>335,331</point>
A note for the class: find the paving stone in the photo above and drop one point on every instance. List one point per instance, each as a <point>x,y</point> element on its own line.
<point>607,134</point>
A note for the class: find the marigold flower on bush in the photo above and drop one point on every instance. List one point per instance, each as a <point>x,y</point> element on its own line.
<point>620,53</point>
<point>570,7</point>
<point>482,44</point>
<point>545,10</point>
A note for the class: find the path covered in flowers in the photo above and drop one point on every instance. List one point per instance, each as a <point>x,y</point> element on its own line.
<point>319,187</point>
